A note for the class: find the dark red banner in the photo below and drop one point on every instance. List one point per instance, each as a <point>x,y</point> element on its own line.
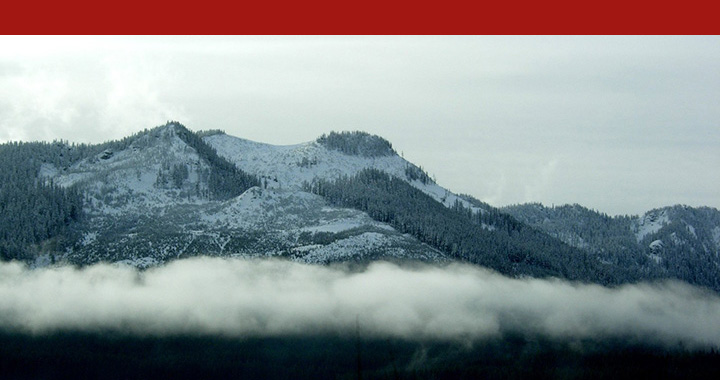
<point>361,17</point>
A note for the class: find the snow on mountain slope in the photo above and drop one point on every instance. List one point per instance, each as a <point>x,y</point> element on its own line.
<point>284,210</point>
<point>289,166</point>
<point>259,222</point>
<point>139,213</point>
<point>127,180</point>
<point>650,223</point>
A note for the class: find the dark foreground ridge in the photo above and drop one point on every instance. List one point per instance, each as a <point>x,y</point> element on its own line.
<point>110,356</point>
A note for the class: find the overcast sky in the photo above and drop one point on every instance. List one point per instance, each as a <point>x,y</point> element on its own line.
<point>618,124</point>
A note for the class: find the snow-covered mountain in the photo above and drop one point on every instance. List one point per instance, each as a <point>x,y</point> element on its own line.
<point>169,192</point>
<point>152,201</point>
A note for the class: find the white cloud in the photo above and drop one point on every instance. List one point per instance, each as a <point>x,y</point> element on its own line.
<point>86,97</point>
<point>270,297</point>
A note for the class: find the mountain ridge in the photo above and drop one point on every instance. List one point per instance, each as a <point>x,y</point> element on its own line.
<point>683,241</point>
<point>169,192</point>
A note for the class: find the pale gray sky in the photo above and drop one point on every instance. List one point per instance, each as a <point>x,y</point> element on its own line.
<point>618,124</point>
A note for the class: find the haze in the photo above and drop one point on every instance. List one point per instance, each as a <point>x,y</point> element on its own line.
<point>239,297</point>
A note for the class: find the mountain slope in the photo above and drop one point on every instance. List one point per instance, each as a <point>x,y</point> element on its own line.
<point>291,166</point>
<point>496,240</point>
<point>677,242</point>
<point>168,194</point>
<point>509,246</point>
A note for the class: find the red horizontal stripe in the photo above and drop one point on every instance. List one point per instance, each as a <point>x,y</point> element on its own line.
<point>358,17</point>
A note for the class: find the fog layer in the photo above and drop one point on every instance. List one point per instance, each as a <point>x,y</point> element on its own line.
<point>270,297</point>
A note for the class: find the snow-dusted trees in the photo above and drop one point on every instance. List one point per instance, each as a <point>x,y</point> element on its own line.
<point>684,246</point>
<point>357,143</point>
<point>36,214</point>
<point>511,247</point>
<point>413,173</point>
<point>225,179</point>
<point>33,211</point>
<point>610,238</point>
<point>172,176</point>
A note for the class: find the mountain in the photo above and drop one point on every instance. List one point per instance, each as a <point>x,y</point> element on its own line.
<point>166,193</point>
<point>670,242</point>
<point>169,192</point>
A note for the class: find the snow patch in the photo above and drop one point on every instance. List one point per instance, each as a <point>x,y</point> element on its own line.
<point>487,227</point>
<point>655,249</point>
<point>651,223</point>
<point>47,171</point>
<point>656,244</point>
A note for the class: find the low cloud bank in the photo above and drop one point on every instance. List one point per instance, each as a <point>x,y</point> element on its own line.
<point>270,297</point>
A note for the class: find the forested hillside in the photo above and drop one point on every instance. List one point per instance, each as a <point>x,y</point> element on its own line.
<point>672,242</point>
<point>37,215</point>
<point>610,238</point>
<point>225,180</point>
<point>491,239</point>
<point>33,211</point>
